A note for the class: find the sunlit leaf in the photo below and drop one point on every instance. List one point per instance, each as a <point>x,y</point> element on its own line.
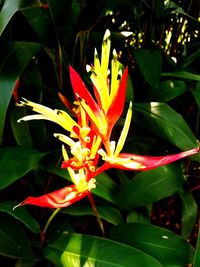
<point>82,250</point>
<point>162,244</point>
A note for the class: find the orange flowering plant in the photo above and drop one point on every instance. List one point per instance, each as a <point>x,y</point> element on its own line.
<point>87,146</point>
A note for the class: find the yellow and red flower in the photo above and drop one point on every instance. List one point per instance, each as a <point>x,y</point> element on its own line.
<point>88,136</point>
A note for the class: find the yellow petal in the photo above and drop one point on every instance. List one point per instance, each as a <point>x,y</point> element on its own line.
<point>124,132</point>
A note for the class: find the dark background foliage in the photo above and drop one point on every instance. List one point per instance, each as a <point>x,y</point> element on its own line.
<point>150,218</point>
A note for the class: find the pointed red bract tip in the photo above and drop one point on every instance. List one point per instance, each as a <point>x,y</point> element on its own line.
<point>58,199</point>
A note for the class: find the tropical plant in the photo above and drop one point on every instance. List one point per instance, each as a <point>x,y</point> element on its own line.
<point>117,106</point>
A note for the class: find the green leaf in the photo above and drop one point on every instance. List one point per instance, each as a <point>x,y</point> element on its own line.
<point>13,240</point>
<point>10,7</point>
<point>196,93</point>
<point>189,213</point>
<point>182,75</point>
<point>82,250</point>
<point>52,163</point>
<point>168,90</point>
<point>149,62</point>
<point>106,188</point>
<point>39,20</point>
<point>165,122</point>
<point>20,214</point>
<point>21,131</point>
<point>18,55</point>
<point>15,162</point>
<point>107,213</point>
<point>196,261</point>
<point>150,186</point>
<point>160,243</point>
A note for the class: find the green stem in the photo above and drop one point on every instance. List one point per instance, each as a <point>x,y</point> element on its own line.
<point>48,222</point>
<point>96,213</point>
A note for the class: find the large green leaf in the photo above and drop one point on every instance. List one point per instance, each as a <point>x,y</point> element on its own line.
<point>106,188</point>
<point>162,244</point>
<point>196,93</point>
<point>165,122</point>
<point>16,162</point>
<point>149,61</point>
<point>182,75</point>
<point>150,186</point>
<point>196,261</point>
<point>52,164</point>
<point>13,240</point>
<point>82,250</point>
<point>107,213</point>
<point>189,213</point>
<point>21,214</point>
<point>10,7</point>
<point>167,90</point>
<point>21,131</point>
<point>18,55</point>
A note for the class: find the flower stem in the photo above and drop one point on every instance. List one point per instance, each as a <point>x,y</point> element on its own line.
<point>48,223</point>
<point>96,213</point>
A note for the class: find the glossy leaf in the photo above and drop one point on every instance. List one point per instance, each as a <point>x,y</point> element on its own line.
<point>196,93</point>
<point>10,7</point>
<point>182,75</point>
<point>162,244</point>
<point>16,162</point>
<point>148,60</point>
<point>189,213</point>
<point>13,240</point>
<point>106,188</point>
<point>165,122</point>
<point>18,56</point>
<point>52,163</point>
<point>196,261</point>
<point>150,186</point>
<point>82,250</point>
<point>20,214</point>
<point>168,90</point>
<point>107,213</point>
<point>21,131</point>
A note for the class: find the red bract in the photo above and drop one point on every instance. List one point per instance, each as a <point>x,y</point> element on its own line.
<point>134,162</point>
<point>58,199</point>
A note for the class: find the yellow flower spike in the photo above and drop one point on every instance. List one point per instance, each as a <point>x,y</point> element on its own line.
<point>105,53</point>
<point>114,76</point>
<point>58,116</point>
<point>65,139</point>
<point>95,146</point>
<point>124,132</point>
<point>97,65</point>
<point>101,86</point>
<point>99,120</point>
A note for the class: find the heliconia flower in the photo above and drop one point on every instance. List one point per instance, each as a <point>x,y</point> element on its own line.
<point>88,136</point>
